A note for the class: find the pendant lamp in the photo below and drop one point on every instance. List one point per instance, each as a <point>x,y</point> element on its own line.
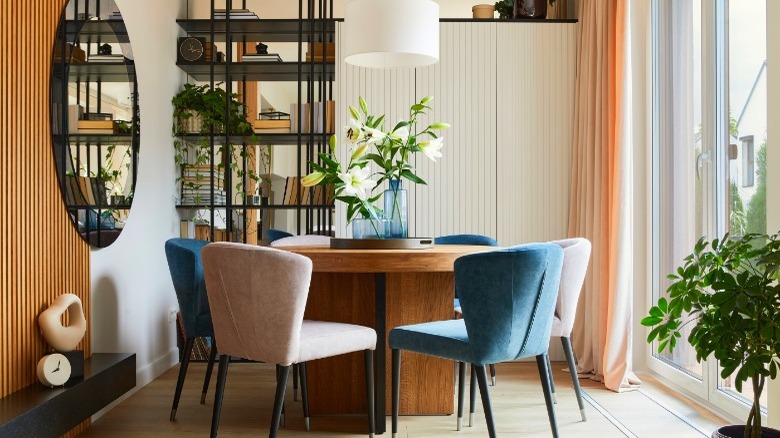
<point>391,33</point>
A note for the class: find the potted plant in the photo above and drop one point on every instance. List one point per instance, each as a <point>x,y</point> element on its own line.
<point>197,110</point>
<point>728,288</point>
<point>522,8</point>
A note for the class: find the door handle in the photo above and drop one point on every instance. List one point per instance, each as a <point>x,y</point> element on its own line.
<point>702,156</point>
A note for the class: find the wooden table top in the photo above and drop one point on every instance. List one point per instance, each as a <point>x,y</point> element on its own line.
<point>440,258</point>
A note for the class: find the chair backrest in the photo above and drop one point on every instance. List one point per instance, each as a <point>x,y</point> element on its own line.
<point>274,234</point>
<point>508,299</point>
<point>465,239</point>
<point>576,255</point>
<point>257,297</point>
<point>309,239</point>
<point>184,262</point>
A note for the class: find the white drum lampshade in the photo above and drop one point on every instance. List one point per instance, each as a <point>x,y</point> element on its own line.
<point>391,33</point>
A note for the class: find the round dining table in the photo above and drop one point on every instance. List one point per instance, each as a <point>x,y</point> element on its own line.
<point>382,289</point>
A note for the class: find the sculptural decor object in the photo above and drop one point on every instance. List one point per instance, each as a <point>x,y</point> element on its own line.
<point>63,339</point>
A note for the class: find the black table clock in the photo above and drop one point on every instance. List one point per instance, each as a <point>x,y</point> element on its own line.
<point>192,49</point>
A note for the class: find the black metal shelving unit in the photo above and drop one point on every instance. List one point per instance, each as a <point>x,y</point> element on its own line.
<point>314,81</point>
<point>77,152</point>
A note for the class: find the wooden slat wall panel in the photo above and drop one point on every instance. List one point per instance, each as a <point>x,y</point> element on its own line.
<point>536,79</point>
<point>41,254</point>
<point>508,91</point>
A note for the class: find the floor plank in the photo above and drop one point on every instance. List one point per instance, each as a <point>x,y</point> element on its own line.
<point>517,402</point>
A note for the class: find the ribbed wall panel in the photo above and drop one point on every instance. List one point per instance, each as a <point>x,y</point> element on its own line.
<point>41,255</point>
<point>507,89</point>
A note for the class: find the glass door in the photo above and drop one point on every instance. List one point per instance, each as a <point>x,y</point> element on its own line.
<point>684,183</point>
<point>709,158</point>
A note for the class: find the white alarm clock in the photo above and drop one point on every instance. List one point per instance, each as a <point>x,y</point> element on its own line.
<point>53,370</point>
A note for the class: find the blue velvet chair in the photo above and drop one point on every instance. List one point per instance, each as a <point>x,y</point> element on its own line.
<point>274,234</point>
<point>508,298</point>
<point>468,239</point>
<point>186,268</point>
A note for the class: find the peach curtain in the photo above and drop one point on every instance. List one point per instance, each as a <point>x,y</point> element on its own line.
<point>600,205</point>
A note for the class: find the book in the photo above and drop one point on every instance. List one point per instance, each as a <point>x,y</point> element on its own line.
<point>272,124</point>
<point>235,14</point>
<point>74,191</point>
<point>74,115</point>
<point>318,49</point>
<point>107,58</point>
<point>270,57</point>
<point>107,125</point>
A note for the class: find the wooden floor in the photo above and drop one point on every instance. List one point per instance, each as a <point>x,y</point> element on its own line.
<point>517,402</point>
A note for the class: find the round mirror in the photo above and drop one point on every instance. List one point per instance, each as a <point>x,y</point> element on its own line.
<point>95,118</point>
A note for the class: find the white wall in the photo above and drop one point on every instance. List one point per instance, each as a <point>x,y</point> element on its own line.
<point>773,158</point>
<point>131,287</point>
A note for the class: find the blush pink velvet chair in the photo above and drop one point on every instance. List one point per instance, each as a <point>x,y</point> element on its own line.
<point>576,256</point>
<point>257,297</point>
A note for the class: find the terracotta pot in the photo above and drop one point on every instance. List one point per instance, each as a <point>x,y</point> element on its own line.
<point>530,9</point>
<point>738,431</point>
<point>483,11</point>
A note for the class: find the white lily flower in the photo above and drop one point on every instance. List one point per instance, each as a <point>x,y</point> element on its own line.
<point>431,148</point>
<point>354,131</point>
<point>373,136</point>
<point>400,134</point>
<point>356,182</point>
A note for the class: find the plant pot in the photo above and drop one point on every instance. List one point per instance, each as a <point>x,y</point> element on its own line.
<point>738,431</point>
<point>194,124</point>
<point>482,11</point>
<point>536,9</point>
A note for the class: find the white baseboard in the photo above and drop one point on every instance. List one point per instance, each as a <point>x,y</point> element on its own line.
<point>144,376</point>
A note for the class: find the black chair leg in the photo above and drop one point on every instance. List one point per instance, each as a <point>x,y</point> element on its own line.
<point>486,406</point>
<point>295,373</point>
<point>461,392</point>
<point>575,380</point>
<point>281,386</point>
<point>544,376</point>
<point>279,376</point>
<point>185,362</point>
<point>304,393</point>
<point>552,380</point>
<point>472,395</point>
<point>224,362</point>
<point>209,369</point>
<point>396,389</point>
<point>369,359</point>
<point>493,374</point>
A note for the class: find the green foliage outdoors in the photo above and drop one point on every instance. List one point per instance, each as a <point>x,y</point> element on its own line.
<point>756,213</point>
<point>728,288</point>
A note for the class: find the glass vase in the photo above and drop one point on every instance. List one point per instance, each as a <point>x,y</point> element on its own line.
<point>396,210</point>
<point>365,228</point>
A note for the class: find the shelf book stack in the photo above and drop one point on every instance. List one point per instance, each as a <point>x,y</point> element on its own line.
<point>266,57</point>
<point>196,185</point>
<point>107,58</point>
<point>313,111</point>
<point>235,14</point>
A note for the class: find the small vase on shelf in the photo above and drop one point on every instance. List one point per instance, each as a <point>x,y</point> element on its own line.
<point>396,210</point>
<point>367,228</point>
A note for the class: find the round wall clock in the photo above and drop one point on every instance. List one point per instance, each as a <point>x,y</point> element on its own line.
<point>191,49</point>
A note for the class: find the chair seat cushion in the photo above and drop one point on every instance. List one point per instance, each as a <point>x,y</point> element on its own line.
<point>321,339</point>
<point>445,339</point>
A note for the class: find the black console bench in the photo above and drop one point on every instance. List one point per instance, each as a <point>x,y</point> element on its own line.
<point>38,411</point>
